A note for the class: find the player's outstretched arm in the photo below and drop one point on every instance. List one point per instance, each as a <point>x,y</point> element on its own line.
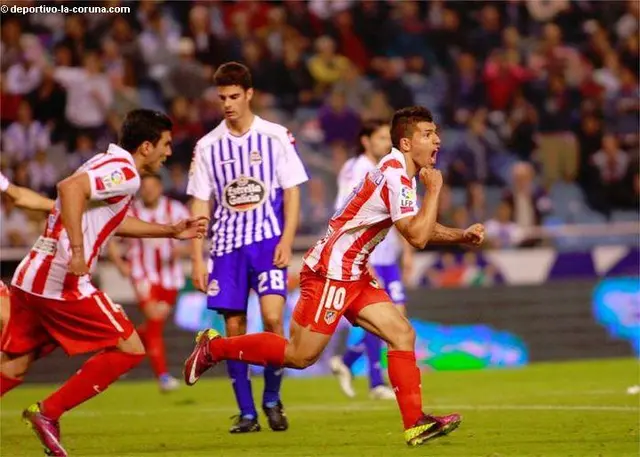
<point>186,229</point>
<point>418,229</point>
<point>472,236</point>
<point>199,208</point>
<point>73,193</point>
<point>25,198</point>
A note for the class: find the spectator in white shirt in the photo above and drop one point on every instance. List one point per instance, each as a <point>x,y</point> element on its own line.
<point>25,75</point>
<point>89,94</point>
<point>15,230</point>
<point>43,174</point>
<point>25,137</point>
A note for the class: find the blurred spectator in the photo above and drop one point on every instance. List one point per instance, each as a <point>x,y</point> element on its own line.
<point>558,148</point>
<point>460,217</point>
<point>126,96</point>
<point>294,85</point>
<point>445,207</point>
<point>377,107</point>
<point>488,36</point>
<point>473,157</point>
<point>25,137</point>
<point>476,202</point>
<point>25,75</point>
<point>10,33</point>
<point>77,39</point>
<point>277,32</point>
<point>316,212</point>
<point>465,90</point>
<point>186,76</point>
<point>89,94</point>
<point>503,77</point>
<point>528,202</point>
<point>44,176</point>
<point>325,66</point>
<point>622,109</point>
<point>520,128</point>
<point>15,229</point>
<point>339,123</point>
<point>262,73</point>
<point>627,25</point>
<point>501,231</point>
<point>208,48</point>
<point>177,182</point>
<point>349,43</point>
<point>589,139</point>
<point>157,45</point>
<point>614,176</point>
<point>21,174</point>
<point>391,83</point>
<point>450,38</point>
<point>186,129</point>
<point>356,88</point>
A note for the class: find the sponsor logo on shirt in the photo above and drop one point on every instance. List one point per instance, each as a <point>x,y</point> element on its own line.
<point>244,194</point>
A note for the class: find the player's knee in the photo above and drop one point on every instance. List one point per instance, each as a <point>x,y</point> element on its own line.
<point>15,367</point>
<point>273,323</point>
<point>300,360</point>
<point>403,336</point>
<point>235,325</point>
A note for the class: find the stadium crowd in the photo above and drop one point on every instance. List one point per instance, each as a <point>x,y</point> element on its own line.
<point>538,101</point>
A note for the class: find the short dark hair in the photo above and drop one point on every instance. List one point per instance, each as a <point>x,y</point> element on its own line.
<point>142,125</point>
<point>233,74</point>
<point>404,122</point>
<point>368,129</point>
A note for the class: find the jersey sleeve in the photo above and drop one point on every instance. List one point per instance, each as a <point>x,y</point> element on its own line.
<point>200,184</point>
<point>4,183</point>
<point>113,180</point>
<point>402,196</point>
<point>289,168</point>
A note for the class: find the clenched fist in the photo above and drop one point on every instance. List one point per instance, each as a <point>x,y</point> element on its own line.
<point>432,179</point>
<point>474,235</point>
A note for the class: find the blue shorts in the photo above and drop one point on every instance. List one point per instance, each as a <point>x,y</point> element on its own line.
<point>391,278</point>
<point>233,275</point>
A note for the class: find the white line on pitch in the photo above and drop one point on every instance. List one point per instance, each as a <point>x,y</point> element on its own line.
<point>352,408</point>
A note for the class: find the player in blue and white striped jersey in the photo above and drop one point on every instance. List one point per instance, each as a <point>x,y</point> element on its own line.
<point>250,170</point>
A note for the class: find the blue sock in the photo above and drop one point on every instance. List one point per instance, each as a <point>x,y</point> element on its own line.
<point>374,347</point>
<point>239,374</point>
<point>272,383</point>
<point>354,352</point>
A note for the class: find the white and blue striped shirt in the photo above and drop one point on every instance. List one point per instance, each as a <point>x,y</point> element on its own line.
<point>245,176</point>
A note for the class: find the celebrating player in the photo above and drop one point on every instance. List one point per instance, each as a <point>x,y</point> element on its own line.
<point>252,170</point>
<point>335,280</point>
<point>155,274</point>
<point>375,143</point>
<point>52,298</point>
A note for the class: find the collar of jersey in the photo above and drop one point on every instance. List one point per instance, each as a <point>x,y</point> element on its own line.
<point>396,154</point>
<point>118,151</point>
<point>241,139</point>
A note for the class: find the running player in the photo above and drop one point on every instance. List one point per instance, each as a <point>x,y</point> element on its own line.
<point>155,272</point>
<point>251,170</point>
<point>52,298</point>
<point>335,280</point>
<point>375,143</point>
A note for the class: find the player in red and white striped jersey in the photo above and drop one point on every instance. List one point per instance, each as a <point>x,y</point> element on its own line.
<point>336,282</point>
<point>155,271</point>
<point>52,298</point>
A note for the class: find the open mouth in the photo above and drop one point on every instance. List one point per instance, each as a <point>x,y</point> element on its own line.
<point>434,156</point>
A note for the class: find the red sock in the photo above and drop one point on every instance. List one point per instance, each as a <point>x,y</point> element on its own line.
<point>154,344</point>
<point>404,376</point>
<point>7,383</point>
<point>93,377</point>
<point>256,349</point>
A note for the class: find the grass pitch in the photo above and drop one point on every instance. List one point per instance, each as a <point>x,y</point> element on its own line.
<point>577,409</point>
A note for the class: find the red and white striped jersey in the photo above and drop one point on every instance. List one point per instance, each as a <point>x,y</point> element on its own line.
<point>44,271</point>
<point>152,259</point>
<point>384,196</point>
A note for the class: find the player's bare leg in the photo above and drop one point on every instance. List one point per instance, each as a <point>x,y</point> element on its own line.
<point>301,350</point>
<point>247,420</point>
<point>13,369</point>
<point>151,333</point>
<point>97,373</point>
<point>272,309</point>
<point>385,320</point>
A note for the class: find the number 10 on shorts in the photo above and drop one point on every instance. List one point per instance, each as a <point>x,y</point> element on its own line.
<point>332,301</point>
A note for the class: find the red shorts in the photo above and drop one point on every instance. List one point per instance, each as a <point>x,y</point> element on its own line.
<point>324,301</point>
<point>85,325</point>
<point>148,293</point>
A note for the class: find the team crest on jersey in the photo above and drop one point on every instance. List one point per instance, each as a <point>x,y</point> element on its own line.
<point>255,158</point>
<point>330,317</point>
<point>214,288</point>
<point>244,194</point>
